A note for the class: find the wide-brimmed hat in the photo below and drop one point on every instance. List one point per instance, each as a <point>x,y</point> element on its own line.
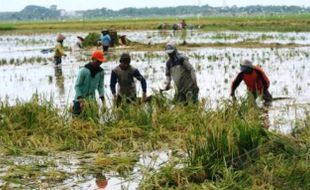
<point>98,55</point>
<point>60,37</point>
<point>170,47</point>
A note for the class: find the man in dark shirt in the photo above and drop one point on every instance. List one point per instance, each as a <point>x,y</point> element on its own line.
<point>124,75</point>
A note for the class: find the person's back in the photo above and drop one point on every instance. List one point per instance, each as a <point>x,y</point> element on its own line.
<point>105,39</point>
<point>255,80</point>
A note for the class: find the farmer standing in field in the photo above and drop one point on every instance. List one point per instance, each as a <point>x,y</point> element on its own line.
<point>90,78</point>
<point>59,49</point>
<point>124,75</point>
<point>183,75</point>
<point>105,40</point>
<point>183,24</point>
<point>255,79</point>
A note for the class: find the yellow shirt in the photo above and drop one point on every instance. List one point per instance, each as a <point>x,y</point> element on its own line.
<point>59,50</point>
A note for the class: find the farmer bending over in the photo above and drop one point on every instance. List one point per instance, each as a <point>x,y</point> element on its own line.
<point>183,75</point>
<point>255,79</point>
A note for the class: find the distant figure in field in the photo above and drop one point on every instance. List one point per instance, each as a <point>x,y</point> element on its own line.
<point>105,40</point>
<point>183,75</point>
<point>80,41</point>
<point>183,24</point>
<point>124,75</point>
<point>78,45</point>
<point>90,78</point>
<point>255,79</point>
<point>59,49</point>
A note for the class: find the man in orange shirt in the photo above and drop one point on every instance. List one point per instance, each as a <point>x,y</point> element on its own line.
<point>255,79</point>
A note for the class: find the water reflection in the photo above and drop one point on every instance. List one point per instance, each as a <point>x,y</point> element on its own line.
<point>101,181</point>
<point>59,80</point>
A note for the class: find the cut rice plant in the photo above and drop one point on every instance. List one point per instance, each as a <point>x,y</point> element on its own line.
<point>224,147</point>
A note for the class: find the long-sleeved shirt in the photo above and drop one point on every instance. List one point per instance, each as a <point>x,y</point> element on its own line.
<point>88,82</point>
<point>256,81</point>
<point>125,80</point>
<point>105,39</point>
<point>182,74</point>
<point>59,50</point>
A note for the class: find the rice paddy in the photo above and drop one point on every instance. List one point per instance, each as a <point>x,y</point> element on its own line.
<point>216,144</point>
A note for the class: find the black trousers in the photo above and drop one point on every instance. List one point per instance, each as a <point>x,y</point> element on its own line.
<point>105,48</point>
<point>57,60</point>
<point>267,97</point>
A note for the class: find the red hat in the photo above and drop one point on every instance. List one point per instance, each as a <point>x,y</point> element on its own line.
<point>98,55</point>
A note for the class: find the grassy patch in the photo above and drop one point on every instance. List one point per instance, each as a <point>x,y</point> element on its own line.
<point>7,27</point>
<point>223,148</point>
<point>281,23</point>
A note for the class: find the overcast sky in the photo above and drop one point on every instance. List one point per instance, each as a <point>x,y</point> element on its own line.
<point>17,5</point>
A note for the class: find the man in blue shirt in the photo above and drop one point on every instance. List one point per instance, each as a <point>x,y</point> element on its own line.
<point>124,75</point>
<point>105,40</point>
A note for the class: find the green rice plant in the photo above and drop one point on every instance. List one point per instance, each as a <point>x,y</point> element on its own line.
<point>230,136</point>
<point>7,27</point>
<point>91,40</point>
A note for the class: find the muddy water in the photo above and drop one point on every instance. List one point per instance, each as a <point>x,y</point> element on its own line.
<point>72,166</point>
<point>288,70</point>
<point>197,36</point>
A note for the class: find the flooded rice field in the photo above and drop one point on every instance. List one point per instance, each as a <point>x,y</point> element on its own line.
<point>198,37</point>
<point>69,169</point>
<point>24,70</point>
